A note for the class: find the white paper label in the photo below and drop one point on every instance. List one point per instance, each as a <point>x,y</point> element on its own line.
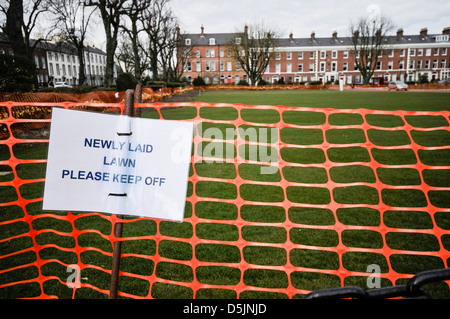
<point>117,164</point>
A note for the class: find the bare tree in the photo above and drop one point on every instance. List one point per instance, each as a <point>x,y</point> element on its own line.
<point>368,43</point>
<point>72,18</point>
<point>175,54</point>
<point>126,54</point>
<point>111,11</point>
<point>21,18</point>
<point>155,19</point>
<point>253,49</point>
<point>135,10</point>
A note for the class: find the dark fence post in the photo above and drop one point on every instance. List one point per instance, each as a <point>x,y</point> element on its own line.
<point>129,111</point>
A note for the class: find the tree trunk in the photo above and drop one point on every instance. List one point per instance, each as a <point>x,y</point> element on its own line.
<point>14,21</point>
<point>81,75</point>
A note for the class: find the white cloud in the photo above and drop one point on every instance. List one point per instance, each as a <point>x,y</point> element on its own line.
<point>301,17</point>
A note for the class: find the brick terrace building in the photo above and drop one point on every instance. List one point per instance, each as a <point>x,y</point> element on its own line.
<point>324,59</point>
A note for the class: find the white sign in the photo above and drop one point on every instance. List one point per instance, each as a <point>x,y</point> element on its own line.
<point>117,164</point>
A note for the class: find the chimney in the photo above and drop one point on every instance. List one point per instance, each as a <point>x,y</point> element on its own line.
<point>356,34</point>
<point>313,35</point>
<point>203,31</point>
<point>424,32</point>
<point>246,29</point>
<point>446,30</point>
<point>378,33</point>
<point>400,33</point>
<point>335,35</point>
<point>291,36</point>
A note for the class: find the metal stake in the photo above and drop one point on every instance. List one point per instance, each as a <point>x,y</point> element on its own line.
<point>129,111</point>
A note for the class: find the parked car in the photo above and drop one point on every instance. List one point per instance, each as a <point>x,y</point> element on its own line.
<point>62,85</point>
<point>398,85</point>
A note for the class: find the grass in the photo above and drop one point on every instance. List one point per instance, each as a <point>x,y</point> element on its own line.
<point>416,101</point>
<point>311,237</point>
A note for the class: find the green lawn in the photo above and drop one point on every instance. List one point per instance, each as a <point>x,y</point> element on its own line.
<point>221,224</point>
<point>412,101</point>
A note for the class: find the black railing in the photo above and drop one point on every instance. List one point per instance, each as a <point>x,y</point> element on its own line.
<point>412,290</point>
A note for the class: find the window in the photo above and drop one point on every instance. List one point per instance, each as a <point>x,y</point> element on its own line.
<point>379,65</point>
<point>207,66</point>
<point>412,52</point>
<point>222,53</point>
<point>278,56</point>
<point>213,53</point>
<point>419,64</point>
<point>435,64</point>
<point>322,66</point>
<point>345,66</point>
<point>197,53</point>
<point>300,55</point>
<point>411,64</point>
<point>43,62</point>
<point>402,52</point>
<point>427,64</point>
<point>222,66</point>
<point>391,53</point>
<point>187,42</point>
<point>311,55</point>
<point>345,54</point>
<point>207,53</point>
<point>289,55</point>
<point>390,65</point>
<point>428,52</point>
<point>50,65</point>
<point>278,68</point>
<point>323,54</point>
<point>333,66</point>
<point>436,51</point>
<point>419,52</point>
<point>238,41</point>
<point>300,67</point>
<point>289,67</point>
<point>444,51</point>
<point>229,66</point>
<point>334,54</point>
<point>401,65</point>
<point>199,67</point>
<point>442,64</point>
<point>311,67</point>
<point>212,41</point>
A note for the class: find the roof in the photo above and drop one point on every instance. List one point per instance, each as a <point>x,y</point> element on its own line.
<point>61,46</point>
<point>224,38</point>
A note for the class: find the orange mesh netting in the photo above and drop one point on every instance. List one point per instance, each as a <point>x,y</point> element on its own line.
<point>353,188</point>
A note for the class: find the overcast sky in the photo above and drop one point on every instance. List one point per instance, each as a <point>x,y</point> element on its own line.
<point>301,17</point>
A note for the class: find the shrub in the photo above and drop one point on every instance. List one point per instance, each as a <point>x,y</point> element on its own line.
<point>244,83</point>
<point>126,81</point>
<point>17,74</point>
<point>199,81</point>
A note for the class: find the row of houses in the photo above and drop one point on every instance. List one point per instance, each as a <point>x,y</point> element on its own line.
<point>57,61</point>
<point>325,59</point>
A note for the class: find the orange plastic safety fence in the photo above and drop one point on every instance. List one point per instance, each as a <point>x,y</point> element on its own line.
<point>352,189</point>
